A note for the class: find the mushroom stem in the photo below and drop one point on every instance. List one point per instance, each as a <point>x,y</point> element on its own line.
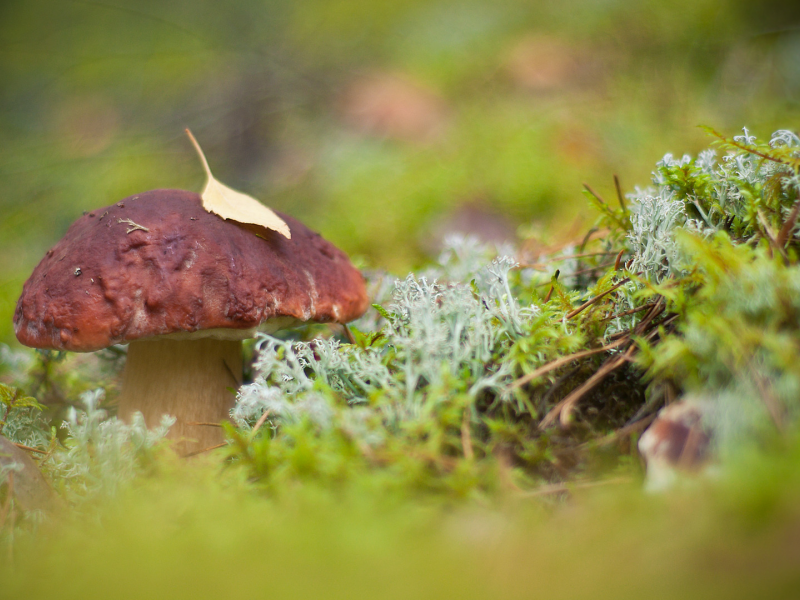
<point>188,379</point>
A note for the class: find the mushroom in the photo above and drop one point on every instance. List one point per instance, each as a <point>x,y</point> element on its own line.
<point>678,441</point>
<point>183,288</point>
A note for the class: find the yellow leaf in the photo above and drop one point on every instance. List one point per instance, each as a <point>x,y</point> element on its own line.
<point>236,206</point>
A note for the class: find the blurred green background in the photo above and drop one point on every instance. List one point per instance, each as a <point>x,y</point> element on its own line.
<point>381,124</point>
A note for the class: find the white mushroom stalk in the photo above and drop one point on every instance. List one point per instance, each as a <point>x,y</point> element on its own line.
<point>191,380</point>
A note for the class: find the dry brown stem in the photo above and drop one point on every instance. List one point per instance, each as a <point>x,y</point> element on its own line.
<point>561,362</point>
<point>466,438</point>
<point>618,260</point>
<point>29,449</point>
<point>620,197</point>
<point>593,193</point>
<point>563,410</point>
<point>624,432</point>
<point>196,452</point>
<point>349,334</point>
<point>788,226</point>
<point>261,420</point>
<point>600,296</point>
<point>770,235</point>
<point>628,312</point>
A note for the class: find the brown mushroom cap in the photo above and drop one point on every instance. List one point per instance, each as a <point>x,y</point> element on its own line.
<point>678,437</point>
<point>158,264</point>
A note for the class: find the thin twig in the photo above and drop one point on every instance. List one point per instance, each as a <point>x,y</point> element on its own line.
<point>624,432</point>
<point>618,260</point>
<point>595,194</point>
<point>261,420</point>
<point>628,312</point>
<point>196,452</point>
<point>563,409</point>
<point>768,233</point>
<point>557,384</point>
<point>204,424</point>
<point>627,332</point>
<point>560,362</point>
<point>619,335</point>
<point>788,226</point>
<point>747,148</point>
<point>657,308</point>
<point>663,323</point>
<point>349,334</point>
<point>588,303</point>
<point>554,280</point>
<point>199,150</point>
<point>568,407</point>
<point>620,196</point>
<point>466,438</point>
<point>29,449</point>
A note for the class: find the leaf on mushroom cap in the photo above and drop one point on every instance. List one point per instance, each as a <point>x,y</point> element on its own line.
<point>221,200</point>
<point>184,271</point>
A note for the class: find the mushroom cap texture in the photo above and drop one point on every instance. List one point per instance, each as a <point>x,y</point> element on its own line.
<point>677,437</point>
<point>157,263</point>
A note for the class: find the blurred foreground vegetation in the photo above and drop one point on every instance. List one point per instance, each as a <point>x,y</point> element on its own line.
<point>187,532</point>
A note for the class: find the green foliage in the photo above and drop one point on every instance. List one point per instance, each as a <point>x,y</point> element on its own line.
<point>733,280</point>
<point>431,379</point>
<point>420,401</point>
<point>21,420</point>
<point>737,341</point>
<point>486,374</point>
<point>12,398</point>
<point>457,377</point>
<point>100,454</point>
